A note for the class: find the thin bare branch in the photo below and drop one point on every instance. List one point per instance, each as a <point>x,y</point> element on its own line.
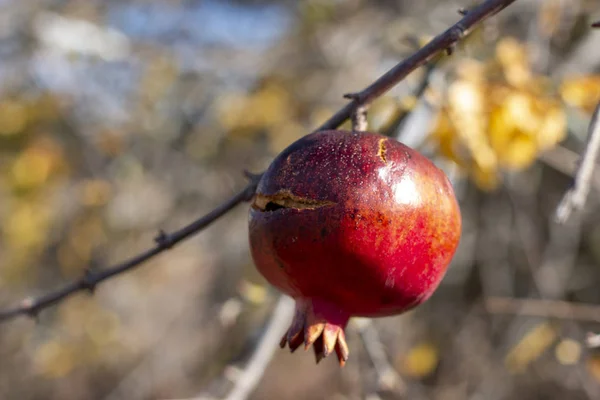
<point>543,308</point>
<point>575,197</point>
<point>388,378</point>
<point>248,379</point>
<point>31,307</point>
<point>419,58</point>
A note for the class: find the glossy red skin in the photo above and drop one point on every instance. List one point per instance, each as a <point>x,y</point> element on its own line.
<point>381,248</point>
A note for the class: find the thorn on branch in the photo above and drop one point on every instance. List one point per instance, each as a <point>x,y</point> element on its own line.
<point>88,282</point>
<point>163,240</point>
<point>252,177</point>
<point>450,49</point>
<point>31,310</point>
<point>457,33</point>
<point>463,11</point>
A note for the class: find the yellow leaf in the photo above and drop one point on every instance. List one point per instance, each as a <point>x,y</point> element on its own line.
<point>468,114</point>
<point>272,105</point>
<point>568,352</point>
<point>582,92</point>
<point>26,226</point>
<point>244,114</point>
<point>253,293</point>
<point>13,117</point>
<point>550,17</point>
<point>593,367</point>
<point>54,359</point>
<point>37,164</point>
<point>512,56</point>
<point>230,109</point>
<point>421,360</point>
<point>530,347</point>
<point>553,127</point>
<point>522,125</point>
<point>444,135</point>
<point>485,178</point>
<point>520,153</point>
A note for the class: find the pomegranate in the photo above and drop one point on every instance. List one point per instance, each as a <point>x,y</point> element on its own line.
<point>351,224</point>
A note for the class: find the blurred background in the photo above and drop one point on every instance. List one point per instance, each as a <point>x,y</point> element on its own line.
<point>120,118</point>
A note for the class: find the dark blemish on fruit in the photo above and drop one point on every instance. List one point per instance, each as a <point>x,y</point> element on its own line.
<point>383,220</point>
<point>323,232</point>
<point>271,206</point>
<point>285,199</point>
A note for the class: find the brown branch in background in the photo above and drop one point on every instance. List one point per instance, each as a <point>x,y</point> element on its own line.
<point>596,24</point>
<point>164,241</point>
<point>543,308</point>
<point>575,197</point>
<point>31,307</point>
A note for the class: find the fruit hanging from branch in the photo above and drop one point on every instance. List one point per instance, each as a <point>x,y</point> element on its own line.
<point>351,224</point>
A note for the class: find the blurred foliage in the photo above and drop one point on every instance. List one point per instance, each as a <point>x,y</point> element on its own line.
<point>497,114</point>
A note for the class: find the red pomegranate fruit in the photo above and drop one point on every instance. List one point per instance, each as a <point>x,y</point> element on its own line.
<point>351,224</point>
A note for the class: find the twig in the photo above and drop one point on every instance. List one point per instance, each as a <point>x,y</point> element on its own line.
<point>575,197</point>
<point>31,307</point>
<point>543,308</point>
<point>596,24</point>
<point>359,115</point>
<point>246,380</point>
<point>251,375</point>
<point>387,377</point>
<point>419,58</point>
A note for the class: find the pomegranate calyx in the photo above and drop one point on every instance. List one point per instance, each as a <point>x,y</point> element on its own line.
<point>285,199</point>
<point>320,325</point>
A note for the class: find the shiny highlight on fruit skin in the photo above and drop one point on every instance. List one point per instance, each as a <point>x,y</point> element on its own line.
<point>351,224</point>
